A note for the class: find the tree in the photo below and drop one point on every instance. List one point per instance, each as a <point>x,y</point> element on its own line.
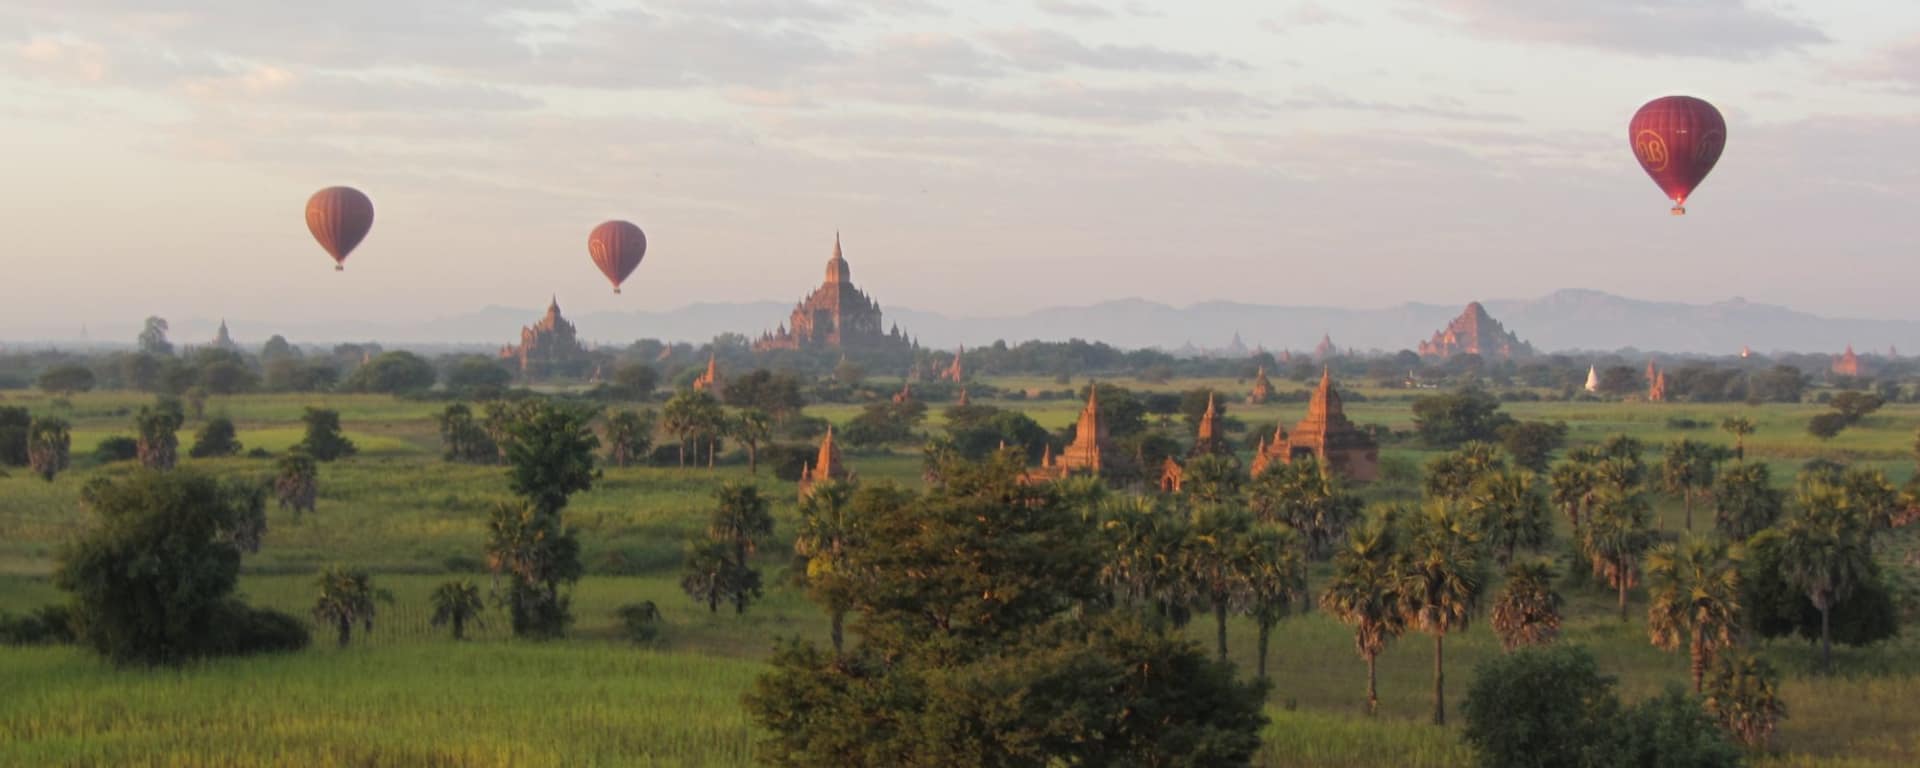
<point>1450,420</point>
<point>1745,501</point>
<point>752,427</point>
<point>629,437</point>
<point>156,427</point>
<point>740,520</point>
<point>15,423</point>
<point>829,527</point>
<point>1739,427</point>
<point>49,447</point>
<point>635,381</point>
<point>1777,607</point>
<point>1615,538</point>
<point>296,482</point>
<point>1140,564</point>
<point>709,575</point>
<point>1855,405</point>
<point>1365,593</point>
<point>1212,558</point>
<point>1687,470</point>
<point>1541,707</point>
<point>1441,581</point>
<point>1616,461</point>
<point>215,440</point>
<point>1526,610</point>
<point>152,577</point>
<point>1452,476</point>
<point>393,373</point>
<point>1872,500</point>
<point>1574,483</point>
<point>885,423</point>
<point>324,440</point>
<point>1214,480</point>
<point>1827,425</point>
<point>1621,380</point>
<point>153,337</point>
<point>1532,443</point>
<point>1274,574</point>
<point>64,380</point>
<point>474,376</point>
<point>1825,555</point>
<point>1744,696</point>
<point>849,373</point>
<point>347,597</point>
<point>549,450</point>
<point>690,415</point>
<point>778,394</point>
<point>1509,514</point>
<point>1669,731</point>
<point>463,438</point>
<point>538,555</point>
<point>1309,500</point>
<point>1693,595</point>
<point>457,603</point>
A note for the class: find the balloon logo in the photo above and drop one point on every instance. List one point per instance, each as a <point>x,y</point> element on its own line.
<point>1678,140</point>
<point>617,247</point>
<point>339,218</point>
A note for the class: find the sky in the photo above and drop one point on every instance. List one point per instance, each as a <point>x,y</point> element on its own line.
<point>978,157</point>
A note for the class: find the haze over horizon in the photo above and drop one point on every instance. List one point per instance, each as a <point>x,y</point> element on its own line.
<point>980,158</point>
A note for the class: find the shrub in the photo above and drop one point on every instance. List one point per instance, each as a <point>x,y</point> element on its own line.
<point>216,439</point>
<point>50,624</point>
<point>115,449</point>
<point>1672,730</point>
<point>245,630</point>
<point>640,622</point>
<point>1540,707</point>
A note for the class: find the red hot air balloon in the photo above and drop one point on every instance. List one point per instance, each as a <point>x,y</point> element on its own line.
<point>339,218</point>
<point>616,248</point>
<point>1677,139</point>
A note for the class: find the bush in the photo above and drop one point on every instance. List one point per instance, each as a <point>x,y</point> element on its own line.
<point>48,625</point>
<point>1546,706</point>
<point>245,630</point>
<point>1672,730</point>
<point>788,460</point>
<point>216,439</point>
<point>115,449</point>
<point>640,622</point>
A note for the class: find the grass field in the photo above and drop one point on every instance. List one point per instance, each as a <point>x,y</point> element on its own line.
<point>408,695</point>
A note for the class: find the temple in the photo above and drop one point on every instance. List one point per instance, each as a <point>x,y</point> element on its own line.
<point>1656,384</point>
<point>1172,476</point>
<point>1088,451</point>
<point>1847,364</point>
<point>710,381</point>
<point>825,467</point>
<point>547,347</point>
<point>1207,439</point>
<point>1326,350</point>
<point>1475,332</point>
<point>1325,434</point>
<point>835,316</point>
<point>1262,388</point>
<point>956,372</point>
<point>224,340</point>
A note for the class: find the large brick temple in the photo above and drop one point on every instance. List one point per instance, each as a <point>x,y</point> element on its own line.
<point>835,316</point>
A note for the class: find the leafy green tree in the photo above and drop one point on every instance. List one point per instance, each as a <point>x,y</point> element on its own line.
<point>1744,696</point>
<point>1825,555</point>
<point>296,481</point>
<point>1452,476</point>
<point>1454,419</point>
<point>549,450</point>
<point>324,440</point>
<point>216,439</point>
<point>1365,592</point>
<point>1532,443</point>
<point>1573,483</point>
<point>629,437</point>
<point>1541,708</point>
<point>1872,500</point>
<point>539,555</point>
<point>1616,536</point>
<point>456,604</point>
<point>886,423</point>
<point>1442,577</point>
<point>1745,501</point>
<point>1140,563</point>
<point>1309,500</point>
<point>393,373</point>
<point>635,381</point>
<point>690,416</point>
<point>741,521</point>
<point>1687,470</point>
<point>1509,513</point>
<point>49,447</point>
<point>157,427</point>
<point>153,337</point>
<point>1827,426</point>
<point>15,422</point>
<point>777,394</point>
<point>709,574</point>
<point>1672,730</point>
<point>347,597</point>
<point>64,380</point>
<point>640,621</point>
<point>849,373</point>
<point>475,376</point>
<point>829,527</point>
<point>1739,427</point>
<point>152,577</point>
<point>1214,480</point>
<point>1526,610</point>
<point>1856,405</point>
<point>1693,595</point>
<point>752,427</point>
<point>463,438</point>
<point>1776,607</point>
<point>1617,460</point>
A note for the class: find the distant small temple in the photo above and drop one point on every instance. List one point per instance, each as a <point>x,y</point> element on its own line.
<point>1326,350</point>
<point>1475,332</point>
<point>826,466</point>
<point>1325,434</point>
<point>835,315</point>
<point>547,347</point>
<point>1848,364</point>
<point>1087,454</point>
<point>1262,388</point>
<point>710,381</point>
<point>1656,384</point>
<point>956,372</point>
<point>223,340</point>
<point>1593,379</point>
<point>1207,439</point>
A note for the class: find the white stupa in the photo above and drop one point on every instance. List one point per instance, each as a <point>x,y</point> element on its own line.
<point>1593,379</point>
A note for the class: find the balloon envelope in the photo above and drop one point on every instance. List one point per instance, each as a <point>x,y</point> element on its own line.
<point>616,248</point>
<point>339,218</point>
<point>1677,140</point>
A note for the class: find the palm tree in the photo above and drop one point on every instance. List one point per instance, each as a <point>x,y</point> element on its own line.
<point>1693,592</point>
<point>49,447</point>
<point>827,529</point>
<point>1745,697</point>
<point>1452,476</point>
<point>456,603</point>
<point>1615,537</point>
<point>1142,565</point>
<point>1364,593</point>
<point>1874,500</point>
<point>1745,501</point>
<point>1573,485</point>
<point>1687,469</point>
<point>752,427</point>
<point>1526,610</point>
<point>1275,573</point>
<point>740,521</point>
<point>1214,479</point>
<point>1441,581</point>
<point>1307,499</point>
<point>629,435</point>
<point>1213,560</point>
<point>1824,553</point>
<point>296,483</point>
<point>1739,427</point>
<point>1617,462</point>
<point>1510,513</point>
<point>347,597</point>
<point>709,574</point>
<point>681,418</point>
<point>158,443</point>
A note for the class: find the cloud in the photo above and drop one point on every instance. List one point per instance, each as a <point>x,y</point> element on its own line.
<point>1304,14</point>
<point>1449,109</point>
<point>1897,65</point>
<point>64,59</point>
<point>1073,10</point>
<point>1720,29</point>
<point>1042,50</point>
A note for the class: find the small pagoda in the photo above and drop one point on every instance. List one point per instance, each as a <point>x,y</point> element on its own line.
<point>826,467</point>
<point>1326,434</point>
<point>1262,388</point>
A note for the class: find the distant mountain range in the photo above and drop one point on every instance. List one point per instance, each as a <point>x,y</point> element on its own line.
<point>1567,320</point>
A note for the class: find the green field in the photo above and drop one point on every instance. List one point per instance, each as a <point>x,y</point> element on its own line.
<point>410,696</point>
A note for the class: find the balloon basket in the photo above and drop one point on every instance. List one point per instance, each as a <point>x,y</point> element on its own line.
<point>616,290</point>
<point>1679,210</point>
<point>339,268</point>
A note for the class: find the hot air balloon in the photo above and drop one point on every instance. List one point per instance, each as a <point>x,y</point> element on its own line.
<point>339,218</point>
<point>616,248</point>
<point>1677,139</point>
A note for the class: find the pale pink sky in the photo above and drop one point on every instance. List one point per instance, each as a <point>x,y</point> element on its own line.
<point>983,156</point>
